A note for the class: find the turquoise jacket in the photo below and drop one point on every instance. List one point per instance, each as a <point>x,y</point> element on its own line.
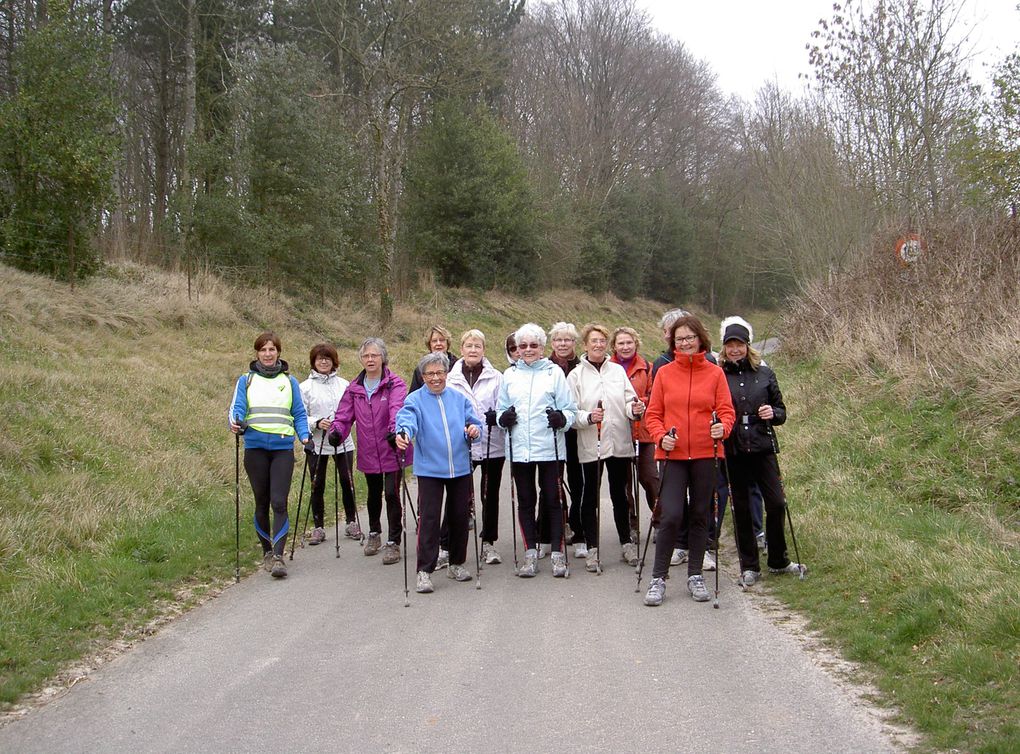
<point>531,389</point>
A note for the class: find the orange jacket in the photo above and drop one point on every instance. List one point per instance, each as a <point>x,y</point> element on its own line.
<point>640,375</point>
<point>684,395</point>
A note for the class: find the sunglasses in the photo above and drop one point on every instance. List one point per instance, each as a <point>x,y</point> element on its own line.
<point>531,346</point>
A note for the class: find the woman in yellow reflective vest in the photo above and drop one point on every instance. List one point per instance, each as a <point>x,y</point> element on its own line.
<point>268,410</point>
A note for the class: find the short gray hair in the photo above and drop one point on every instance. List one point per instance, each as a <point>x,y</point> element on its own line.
<point>433,358</point>
<point>530,332</point>
<point>564,328</point>
<point>378,343</point>
<point>670,317</point>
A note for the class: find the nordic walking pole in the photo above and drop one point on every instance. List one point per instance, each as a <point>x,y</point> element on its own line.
<point>598,495</point>
<point>733,510</point>
<point>485,482</point>
<point>782,488</point>
<point>648,536</point>
<point>513,497</point>
<point>237,499</point>
<point>354,489</point>
<point>715,513</point>
<point>403,525</point>
<point>313,476</point>
<point>478,567</point>
<point>562,497</point>
<point>637,494</point>
<point>336,504</point>
<point>301,493</point>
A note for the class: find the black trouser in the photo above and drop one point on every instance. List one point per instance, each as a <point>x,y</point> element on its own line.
<point>321,466</point>
<point>430,508</point>
<point>746,469</point>
<point>575,483</point>
<point>648,478</point>
<point>373,502</point>
<point>618,470</point>
<point>528,498</point>
<point>270,473</point>
<point>683,479</point>
<point>490,503</point>
<point>713,524</point>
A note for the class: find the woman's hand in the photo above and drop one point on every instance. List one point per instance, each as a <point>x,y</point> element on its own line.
<point>668,442</point>
<point>403,442</point>
<point>765,412</point>
<point>716,431</point>
<point>323,424</point>
<point>597,415</point>
<point>638,408</point>
<point>472,432</point>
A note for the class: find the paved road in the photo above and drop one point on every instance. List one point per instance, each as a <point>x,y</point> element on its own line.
<point>331,660</point>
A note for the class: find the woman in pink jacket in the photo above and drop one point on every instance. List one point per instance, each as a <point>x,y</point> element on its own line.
<point>372,401</point>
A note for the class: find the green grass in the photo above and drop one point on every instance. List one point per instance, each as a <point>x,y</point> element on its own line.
<point>116,469</point>
<point>906,512</point>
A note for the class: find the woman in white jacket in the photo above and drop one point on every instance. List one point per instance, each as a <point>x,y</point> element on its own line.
<point>479,381</point>
<point>321,393</point>
<point>534,406</point>
<point>606,406</point>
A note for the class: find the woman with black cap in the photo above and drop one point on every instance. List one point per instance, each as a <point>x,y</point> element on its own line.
<point>751,449</point>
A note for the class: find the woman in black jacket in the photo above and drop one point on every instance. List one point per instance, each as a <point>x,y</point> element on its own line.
<point>751,450</point>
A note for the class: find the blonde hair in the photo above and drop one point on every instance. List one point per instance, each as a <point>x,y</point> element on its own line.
<point>442,331</point>
<point>566,328</point>
<point>472,333</point>
<point>591,327</point>
<point>625,331</point>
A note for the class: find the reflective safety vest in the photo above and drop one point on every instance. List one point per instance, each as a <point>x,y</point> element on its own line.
<point>269,404</point>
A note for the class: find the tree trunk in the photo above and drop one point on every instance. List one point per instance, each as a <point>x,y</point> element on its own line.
<point>189,132</point>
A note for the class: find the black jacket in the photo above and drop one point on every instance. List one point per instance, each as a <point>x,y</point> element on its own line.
<point>750,389</point>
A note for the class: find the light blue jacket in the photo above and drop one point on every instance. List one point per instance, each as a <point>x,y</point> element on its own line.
<point>436,424</point>
<point>531,389</point>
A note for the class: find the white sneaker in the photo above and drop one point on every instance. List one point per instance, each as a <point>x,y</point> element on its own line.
<point>489,554</point>
<point>530,567</point>
<point>424,585</point>
<point>559,565</point>
<point>444,559</point>
<point>592,564</point>
<point>630,554</point>
<point>458,573</point>
<point>580,551</point>
<point>543,550</point>
<point>708,564</point>
<point>679,556</point>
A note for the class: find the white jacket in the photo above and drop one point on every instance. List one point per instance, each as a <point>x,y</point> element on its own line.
<point>531,389</point>
<point>589,385</point>
<point>483,396</point>
<point>321,394</point>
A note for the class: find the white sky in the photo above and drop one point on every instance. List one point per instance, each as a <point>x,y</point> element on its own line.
<point>748,42</point>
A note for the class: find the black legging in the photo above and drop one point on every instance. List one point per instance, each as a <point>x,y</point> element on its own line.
<point>528,498</point>
<point>679,479</point>
<point>430,505</point>
<point>270,473</point>
<point>618,470</point>
<point>746,469</point>
<point>374,504</point>
<point>321,467</point>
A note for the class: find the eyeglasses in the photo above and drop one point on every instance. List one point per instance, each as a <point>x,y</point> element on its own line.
<point>530,346</point>
<point>685,338</point>
<point>433,375</point>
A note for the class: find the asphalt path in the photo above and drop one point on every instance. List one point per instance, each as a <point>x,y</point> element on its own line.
<point>330,659</point>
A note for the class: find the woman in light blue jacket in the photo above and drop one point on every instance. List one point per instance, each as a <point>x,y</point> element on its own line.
<point>534,406</point>
<point>442,424</point>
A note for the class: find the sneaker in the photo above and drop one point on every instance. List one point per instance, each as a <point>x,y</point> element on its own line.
<point>318,536</point>
<point>267,561</point>
<point>352,530</point>
<point>489,554</point>
<point>696,586</point>
<point>458,573</point>
<point>568,534</point>
<point>424,585</point>
<point>708,562</point>
<point>543,550</point>
<point>635,537</point>
<point>749,578</point>
<point>443,560</point>
<point>559,565</point>
<point>373,543</point>
<point>279,569</point>
<point>580,551</point>
<point>530,567</point>
<point>591,563</point>
<point>630,554</point>
<point>760,539</point>
<point>390,553</point>
<point>679,556</point>
<point>656,591</point>
<point>789,568</point>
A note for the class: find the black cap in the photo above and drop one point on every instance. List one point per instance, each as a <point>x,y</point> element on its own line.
<point>737,332</point>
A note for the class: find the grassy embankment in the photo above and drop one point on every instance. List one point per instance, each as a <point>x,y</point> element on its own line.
<point>116,470</point>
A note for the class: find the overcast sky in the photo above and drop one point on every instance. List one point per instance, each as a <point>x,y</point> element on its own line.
<point>750,41</point>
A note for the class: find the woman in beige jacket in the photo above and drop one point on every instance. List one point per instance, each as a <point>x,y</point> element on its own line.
<point>607,404</point>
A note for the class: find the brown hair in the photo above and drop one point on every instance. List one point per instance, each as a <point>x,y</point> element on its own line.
<point>625,331</point>
<point>693,324</point>
<point>323,349</point>
<point>266,337</point>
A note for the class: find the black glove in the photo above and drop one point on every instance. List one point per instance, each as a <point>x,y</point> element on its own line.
<point>391,438</point>
<point>556,419</point>
<point>508,418</point>
<point>490,418</point>
<point>334,439</point>
<point>309,449</point>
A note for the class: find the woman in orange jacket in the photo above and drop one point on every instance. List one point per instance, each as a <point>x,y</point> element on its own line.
<point>688,416</point>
